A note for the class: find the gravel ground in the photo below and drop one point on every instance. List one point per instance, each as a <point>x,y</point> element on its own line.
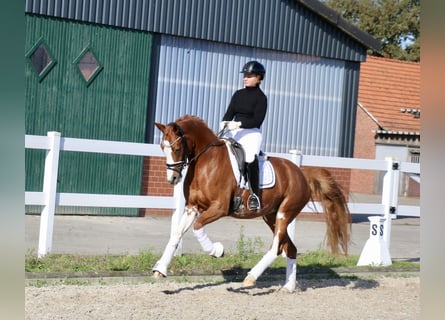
<point>376,297</point>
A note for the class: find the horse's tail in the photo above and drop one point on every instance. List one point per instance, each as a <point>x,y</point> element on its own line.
<point>338,218</point>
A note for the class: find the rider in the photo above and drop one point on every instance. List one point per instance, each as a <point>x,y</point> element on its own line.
<point>244,116</point>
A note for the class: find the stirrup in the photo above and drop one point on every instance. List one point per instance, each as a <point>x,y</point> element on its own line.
<point>253,203</point>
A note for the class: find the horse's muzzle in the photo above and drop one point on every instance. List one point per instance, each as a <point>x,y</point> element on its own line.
<point>174,179</point>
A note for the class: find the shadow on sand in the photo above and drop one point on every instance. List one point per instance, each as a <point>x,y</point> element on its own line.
<point>272,280</point>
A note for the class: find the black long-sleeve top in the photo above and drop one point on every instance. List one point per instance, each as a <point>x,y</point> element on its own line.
<point>248,105</point>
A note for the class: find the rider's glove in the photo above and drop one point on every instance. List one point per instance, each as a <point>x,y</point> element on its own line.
<point>230,125</point>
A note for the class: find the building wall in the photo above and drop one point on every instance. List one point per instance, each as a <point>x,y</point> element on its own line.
<point>309,98</point>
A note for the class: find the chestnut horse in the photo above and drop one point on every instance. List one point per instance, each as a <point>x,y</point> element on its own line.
<point>210,186</point>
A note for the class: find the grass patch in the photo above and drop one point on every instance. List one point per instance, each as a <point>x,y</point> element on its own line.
<point>189,264</point>
<point>249,252</point>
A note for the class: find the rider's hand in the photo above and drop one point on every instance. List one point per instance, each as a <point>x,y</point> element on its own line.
<point>222,125</point>
<point>233,125</point>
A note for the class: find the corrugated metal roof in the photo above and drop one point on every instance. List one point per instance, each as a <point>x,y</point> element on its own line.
<point>306,27</point>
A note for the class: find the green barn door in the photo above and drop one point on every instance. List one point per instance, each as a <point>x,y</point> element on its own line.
<point>86,81</point>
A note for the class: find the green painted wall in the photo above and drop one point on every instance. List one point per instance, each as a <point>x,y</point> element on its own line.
<point>112,107</point>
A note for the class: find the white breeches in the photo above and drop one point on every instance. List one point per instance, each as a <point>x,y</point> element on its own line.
<point>250,139</point>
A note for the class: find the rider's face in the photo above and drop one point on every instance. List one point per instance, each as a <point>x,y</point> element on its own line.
<point>251,80</point>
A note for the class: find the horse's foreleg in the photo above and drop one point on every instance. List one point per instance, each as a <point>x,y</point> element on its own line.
<point>215,249</point>
<point>213,213</point>
<point>160,268</point>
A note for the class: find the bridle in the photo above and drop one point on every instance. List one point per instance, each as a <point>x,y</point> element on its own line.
<point>179,166</point>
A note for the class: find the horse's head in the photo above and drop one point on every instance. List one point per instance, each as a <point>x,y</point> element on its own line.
<point>175,149</point>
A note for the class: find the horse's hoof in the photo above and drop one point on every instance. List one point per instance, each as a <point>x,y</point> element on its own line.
<point>158,275</point>
<point>249,282</point>
<point>218,250</point>
<point>286,290</point>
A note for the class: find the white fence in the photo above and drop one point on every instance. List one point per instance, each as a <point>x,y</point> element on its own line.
<point>49,198</point>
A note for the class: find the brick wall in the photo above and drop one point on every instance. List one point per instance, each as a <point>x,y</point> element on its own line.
<point>343,177</point>
<point>413,188</point>
<point>362,181</point>
<point>155,184</point>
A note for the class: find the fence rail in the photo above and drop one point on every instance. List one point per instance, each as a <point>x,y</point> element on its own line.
<point>49,198</point>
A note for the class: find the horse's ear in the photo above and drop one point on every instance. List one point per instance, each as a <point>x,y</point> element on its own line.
<point>160,126</point>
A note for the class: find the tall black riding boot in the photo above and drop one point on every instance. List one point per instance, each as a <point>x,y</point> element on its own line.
<point>253,175</point>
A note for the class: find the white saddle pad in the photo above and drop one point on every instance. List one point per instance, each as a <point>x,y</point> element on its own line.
<point>267,173</point>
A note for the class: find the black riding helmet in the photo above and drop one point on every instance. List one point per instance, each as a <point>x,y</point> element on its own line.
<point>254,67</point>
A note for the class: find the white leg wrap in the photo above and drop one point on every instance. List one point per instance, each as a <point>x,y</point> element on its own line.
<point>265,261</point>
<point>214,249</point>
<point>163,263</point>
<point>175,237</point>
<point>203,239</point>
<point>291,275</point>
<point>218,250</point>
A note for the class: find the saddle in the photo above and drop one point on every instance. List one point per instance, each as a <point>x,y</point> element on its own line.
<point>237,158</point>
<point>236,153</point>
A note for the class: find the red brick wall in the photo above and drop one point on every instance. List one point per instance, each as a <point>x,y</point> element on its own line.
<point>343,177</point>
<point>413,188</point>
<point>362,181</point>
<point>154,183</point>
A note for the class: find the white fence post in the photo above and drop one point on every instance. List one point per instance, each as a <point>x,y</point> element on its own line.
<point>376,249</point>
<point>390,193</point>
<point>49,190</point>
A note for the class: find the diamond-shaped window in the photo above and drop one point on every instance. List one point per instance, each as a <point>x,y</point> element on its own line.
<point>41,59</point>
<point>88,65</point>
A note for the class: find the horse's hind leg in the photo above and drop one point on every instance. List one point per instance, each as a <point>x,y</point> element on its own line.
<point>160,268</point>
<point>290,250</point>
<point>278,224</point>
<point>269,257</point>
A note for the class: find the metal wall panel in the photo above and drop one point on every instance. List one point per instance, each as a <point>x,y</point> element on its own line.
<point>305,93</point>
<point>113,107</point>
<point>283,25</point>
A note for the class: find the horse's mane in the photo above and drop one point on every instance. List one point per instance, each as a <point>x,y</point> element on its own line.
<point>197,122</point>
<point>189,117</point>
